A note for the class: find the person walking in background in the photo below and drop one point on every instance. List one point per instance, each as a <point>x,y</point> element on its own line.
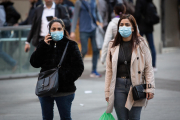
<point>4,55</point>
<point>128,60</point>
<point>105,8</point>
<point>145,28</point>
<point>43,14</point>
<point>29,19</point>
<point>47,56</point>
<point>70,7</point>
<point>87,28</point>
<point>111,31</point>
<point>12,17</point>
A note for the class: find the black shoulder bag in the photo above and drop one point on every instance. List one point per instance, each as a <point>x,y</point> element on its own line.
<point>48,81</point>
<point>138,90</point>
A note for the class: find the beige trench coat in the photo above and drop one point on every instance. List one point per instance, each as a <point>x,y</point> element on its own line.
<point>141,64</point>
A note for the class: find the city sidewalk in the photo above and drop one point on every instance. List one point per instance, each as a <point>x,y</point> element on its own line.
<point>19,102</point>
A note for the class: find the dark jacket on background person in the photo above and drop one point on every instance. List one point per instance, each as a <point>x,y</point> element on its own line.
<point>48,57</point>
<point>139,12</point>
<point>12,16</point>
<point>30,16</point>
<point>60,12</point>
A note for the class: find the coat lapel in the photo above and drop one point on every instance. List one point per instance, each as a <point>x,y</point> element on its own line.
<point>41,11</point>
<point>134,54</point>
<point>56,12</point>
<point>115,53</point>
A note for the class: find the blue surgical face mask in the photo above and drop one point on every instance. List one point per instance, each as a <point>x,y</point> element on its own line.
<point>57,35</point>
<point>125,31</point>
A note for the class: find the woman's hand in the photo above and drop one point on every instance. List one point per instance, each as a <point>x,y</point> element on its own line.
<point>107,99</point>
<point>72,35</point>
<point>149,96</point>
<point>47,39</point>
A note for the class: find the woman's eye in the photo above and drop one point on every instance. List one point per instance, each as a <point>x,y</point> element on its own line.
<point>127,24</point>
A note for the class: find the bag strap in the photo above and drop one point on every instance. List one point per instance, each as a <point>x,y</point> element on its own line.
<point>59,65</point>
<point>87,9</point>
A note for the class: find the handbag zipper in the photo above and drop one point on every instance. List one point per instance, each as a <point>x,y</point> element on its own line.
<point>55,45</point>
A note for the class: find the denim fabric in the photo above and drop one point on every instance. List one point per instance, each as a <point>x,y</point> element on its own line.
<point>121,93</point>
<point>84,36</point>
<point>86,23</point>
<point>63,104</point>
<point>6,57</point>
<point>150,40</point>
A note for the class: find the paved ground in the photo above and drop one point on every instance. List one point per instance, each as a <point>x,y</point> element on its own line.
<point>18,101</point>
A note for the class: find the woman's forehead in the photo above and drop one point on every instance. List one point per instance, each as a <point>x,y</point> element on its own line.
<point>125,21</point>
<point>56,24</point>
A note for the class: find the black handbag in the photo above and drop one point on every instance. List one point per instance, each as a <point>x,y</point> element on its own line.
<point>48,81</point>
<point>138,90</point>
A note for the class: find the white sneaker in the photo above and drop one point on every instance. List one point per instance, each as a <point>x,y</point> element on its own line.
<point>155,69</point>
<point>95,74</point>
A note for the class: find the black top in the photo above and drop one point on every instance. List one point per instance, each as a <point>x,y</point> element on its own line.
<point>121,68</point>
<point>48,56</point>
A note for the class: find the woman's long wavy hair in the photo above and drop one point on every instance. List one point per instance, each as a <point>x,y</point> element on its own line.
<point>135,33</point>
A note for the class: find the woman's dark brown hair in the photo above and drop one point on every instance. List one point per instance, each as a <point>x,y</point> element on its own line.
<point>135,33</point>
<point>120,9</point>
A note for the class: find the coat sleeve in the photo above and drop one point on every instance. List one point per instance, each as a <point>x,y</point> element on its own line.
<point>108,37</point>
<point>77,67</point>
<point>148,69</point>
<point>75,15</point>
<point>64,15</point>
<point>102,8</point>
<point>138,10</point>
<point>38,56</point>
<point>108,76</point>
<point>24,22</point>
<point>32,27</point>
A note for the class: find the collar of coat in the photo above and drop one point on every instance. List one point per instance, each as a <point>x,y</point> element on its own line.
<point>115,50</point>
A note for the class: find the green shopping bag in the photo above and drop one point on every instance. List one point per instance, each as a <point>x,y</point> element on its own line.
<point>107,116</point>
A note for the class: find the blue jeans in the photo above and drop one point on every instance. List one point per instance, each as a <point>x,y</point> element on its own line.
<point>121,93</point>
<point>63,104</point>
<point>150,40</point>
<point>84,36</point>
<point>6,57</point>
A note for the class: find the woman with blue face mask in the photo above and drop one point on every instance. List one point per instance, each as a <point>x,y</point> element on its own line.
<point>129,63</point>
<point>47,56</point>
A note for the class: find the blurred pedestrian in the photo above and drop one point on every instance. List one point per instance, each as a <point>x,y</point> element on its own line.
<point>47,56</point>
<point>43,14</point>
<point>128,60</point>
<point>106,8</point>
<point>86,11</point>
<point>4,55</point>
<point>119,10</point>
<point>145,28</point>
<point>70,7</point>
<point>12,17</point>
